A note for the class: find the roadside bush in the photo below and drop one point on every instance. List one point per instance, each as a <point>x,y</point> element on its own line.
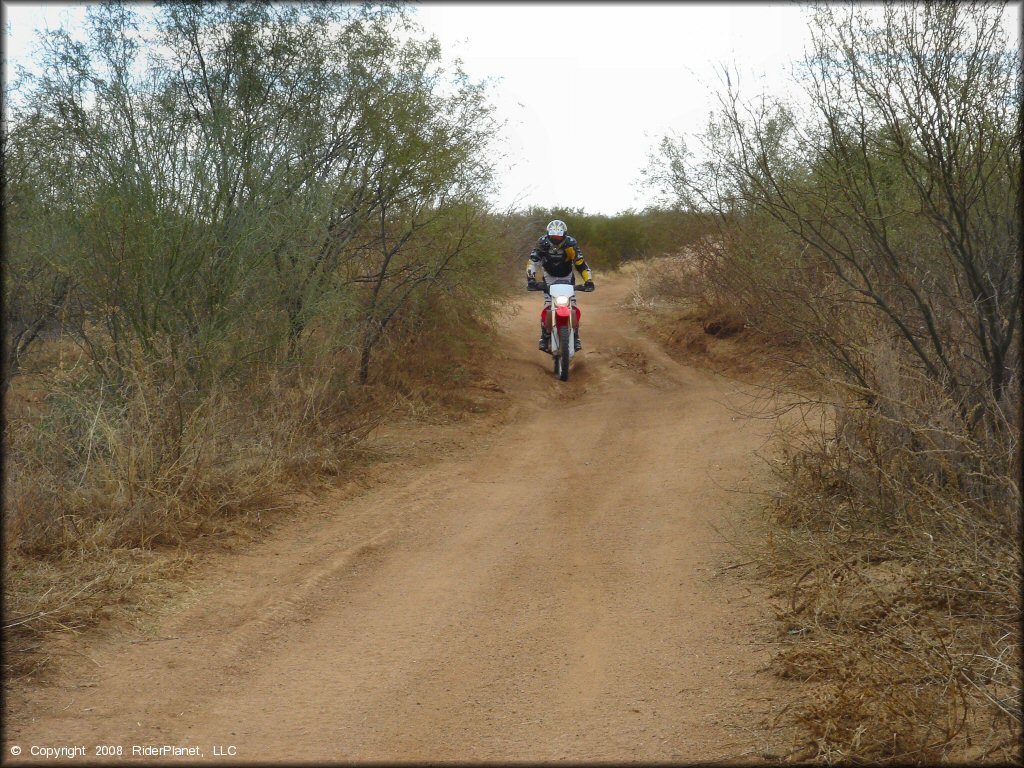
<point>222,225</point>
<point>875,232</point>
<point>154,461</point>
<point>898,532</point>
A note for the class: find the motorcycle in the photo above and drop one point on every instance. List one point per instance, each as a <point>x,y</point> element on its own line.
<point>561,323</point>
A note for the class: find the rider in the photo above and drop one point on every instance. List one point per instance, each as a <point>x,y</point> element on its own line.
<point>557,253</point>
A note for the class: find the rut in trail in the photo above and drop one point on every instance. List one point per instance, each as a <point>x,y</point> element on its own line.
<point>518,598</point>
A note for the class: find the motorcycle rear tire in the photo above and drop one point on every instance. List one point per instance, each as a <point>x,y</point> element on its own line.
<point>563,353</point>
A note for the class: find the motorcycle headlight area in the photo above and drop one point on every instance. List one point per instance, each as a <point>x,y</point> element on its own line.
<point>561,301</point>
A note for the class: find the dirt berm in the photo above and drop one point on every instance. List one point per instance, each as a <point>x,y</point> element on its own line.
<point>553,585</point>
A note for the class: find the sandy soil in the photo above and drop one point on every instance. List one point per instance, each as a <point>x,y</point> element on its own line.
<point>554,584</point>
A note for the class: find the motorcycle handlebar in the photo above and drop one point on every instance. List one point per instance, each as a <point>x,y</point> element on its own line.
<point>543,287</point>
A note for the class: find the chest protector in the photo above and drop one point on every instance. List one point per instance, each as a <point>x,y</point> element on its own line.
<point>557,259</point>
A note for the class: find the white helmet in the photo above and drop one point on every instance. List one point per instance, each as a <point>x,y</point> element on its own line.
<point>557,230</point>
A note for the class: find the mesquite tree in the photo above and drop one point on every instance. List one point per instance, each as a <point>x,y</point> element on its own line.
<point>214,187</point>
<point>900,183</point>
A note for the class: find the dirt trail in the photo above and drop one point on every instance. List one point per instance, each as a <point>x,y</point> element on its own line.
<point>505,601</point>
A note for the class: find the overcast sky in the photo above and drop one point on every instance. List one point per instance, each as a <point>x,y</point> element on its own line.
<point>587,91</point>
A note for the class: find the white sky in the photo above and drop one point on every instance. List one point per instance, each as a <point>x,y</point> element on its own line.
<point>589,90</point>
<point>586,90</point>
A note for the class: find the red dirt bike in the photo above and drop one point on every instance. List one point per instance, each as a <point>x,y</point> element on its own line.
<point>561,324</point>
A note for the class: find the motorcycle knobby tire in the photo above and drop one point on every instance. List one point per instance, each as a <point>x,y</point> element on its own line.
<point>563,353</point>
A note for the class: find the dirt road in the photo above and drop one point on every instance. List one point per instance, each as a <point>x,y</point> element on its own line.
<point>521,597</point>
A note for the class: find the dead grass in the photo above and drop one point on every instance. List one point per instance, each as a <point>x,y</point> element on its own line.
<point>111,496</point>
<point>668,304</point>
<point>893,546</point>
<point>107,499</point>
<point>905,630</point>
<point>49,602</point>
<point>437,367</point>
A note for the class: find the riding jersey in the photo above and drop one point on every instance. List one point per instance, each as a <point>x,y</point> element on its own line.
<point>557,260</point>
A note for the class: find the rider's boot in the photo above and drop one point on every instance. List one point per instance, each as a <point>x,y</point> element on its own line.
<point>577,345</point>
<point>545,340</point>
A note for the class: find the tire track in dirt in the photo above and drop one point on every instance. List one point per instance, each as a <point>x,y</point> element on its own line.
<point>461,610</point>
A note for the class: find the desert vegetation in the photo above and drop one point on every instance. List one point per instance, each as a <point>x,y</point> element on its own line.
<point>237,235</point>
<point>234,234</point>
<point>869,229</point>
<point>609,241</point>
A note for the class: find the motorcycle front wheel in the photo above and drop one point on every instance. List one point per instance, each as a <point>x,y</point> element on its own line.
<point>562,363</point>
